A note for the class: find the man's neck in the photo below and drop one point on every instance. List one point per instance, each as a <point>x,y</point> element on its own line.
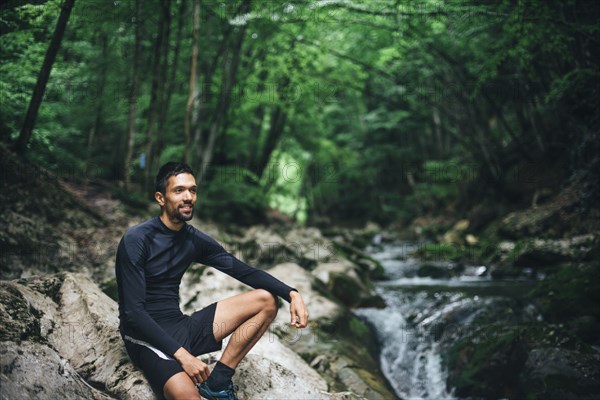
<point>175,225</point>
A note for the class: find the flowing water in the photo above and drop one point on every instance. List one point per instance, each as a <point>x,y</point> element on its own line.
<point>418,311</point>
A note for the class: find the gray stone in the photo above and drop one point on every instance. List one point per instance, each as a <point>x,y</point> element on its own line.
<point>35,371</point>
<point>558,373</point>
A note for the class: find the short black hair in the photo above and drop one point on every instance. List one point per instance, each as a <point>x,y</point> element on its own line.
<point>168,170</point>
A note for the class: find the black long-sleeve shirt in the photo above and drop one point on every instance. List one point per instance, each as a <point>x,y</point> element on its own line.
<point>150,262</point>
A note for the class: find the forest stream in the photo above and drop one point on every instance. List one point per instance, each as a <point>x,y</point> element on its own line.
<point>421,310</point>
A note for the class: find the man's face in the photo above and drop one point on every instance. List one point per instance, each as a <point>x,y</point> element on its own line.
<point>180,197</point>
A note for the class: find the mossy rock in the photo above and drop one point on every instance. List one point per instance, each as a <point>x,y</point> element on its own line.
<point>345,288</point>
<point>486,364</point>
<point>433,271</point>
<point>443,252</point>
<point>18,319</point>
<point>371,267</point>
<point>573,291</point>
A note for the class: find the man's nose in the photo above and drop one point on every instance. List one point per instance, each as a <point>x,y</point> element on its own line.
<point>187,195</point>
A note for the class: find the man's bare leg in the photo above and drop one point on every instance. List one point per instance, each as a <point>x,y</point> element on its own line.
<point>180,386</point>
<point>245,317</point>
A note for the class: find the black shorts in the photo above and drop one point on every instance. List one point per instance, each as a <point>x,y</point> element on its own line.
<point>194,332</point>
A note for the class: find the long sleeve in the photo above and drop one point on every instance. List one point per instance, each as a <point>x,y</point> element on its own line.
<point>210,252</point>
<point>132,296</point>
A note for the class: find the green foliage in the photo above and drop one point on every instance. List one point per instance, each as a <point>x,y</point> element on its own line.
<point>232,196</point>
<point>385,106</point>
<point>571,292</point>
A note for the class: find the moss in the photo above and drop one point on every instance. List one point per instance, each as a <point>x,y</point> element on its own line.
<point>359,329</point>
<point>19,320</point>
<point>572,292</point>
<point>345,288</point>
<point>442,252</point>
<point>487,363</point>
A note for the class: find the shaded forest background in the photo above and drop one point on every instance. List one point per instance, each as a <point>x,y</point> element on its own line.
<point>329,111</point>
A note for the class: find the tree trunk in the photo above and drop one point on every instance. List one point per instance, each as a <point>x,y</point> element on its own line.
<point>99,99</point>
<point>437,128</point>
<point>278,119</point>
<point>154,102</point>
<point>230,73</point>
<point>164,84</point>
<point>44,75</point>
<point>175,64</point>
<point>203,95</point>
<point>193,91</point>
<point>133,94</point>
<point>259,115</point>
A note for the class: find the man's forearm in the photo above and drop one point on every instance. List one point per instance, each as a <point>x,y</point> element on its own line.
<point>181,354</point>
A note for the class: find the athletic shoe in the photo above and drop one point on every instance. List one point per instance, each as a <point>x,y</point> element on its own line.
<point>226,394</point>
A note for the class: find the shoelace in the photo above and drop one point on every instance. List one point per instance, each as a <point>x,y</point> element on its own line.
<point>232,390</point>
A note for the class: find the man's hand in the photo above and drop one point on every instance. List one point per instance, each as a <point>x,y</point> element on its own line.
<point>298,310</point>
<point>196,369</point>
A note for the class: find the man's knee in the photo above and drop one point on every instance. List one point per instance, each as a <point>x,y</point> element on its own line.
<point>269,302</point>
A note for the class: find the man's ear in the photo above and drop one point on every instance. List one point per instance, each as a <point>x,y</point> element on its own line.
<point>160,199</point>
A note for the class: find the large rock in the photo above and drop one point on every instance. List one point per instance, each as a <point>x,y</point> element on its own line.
<point>262,246</point>
<point>346,365</point>
<point>558,373</point>
<point>549,220</point>
<point>273,371</point>
<point>345,281</point>
<point>71,316</point>
<point>68,326</point>
<point>321,307</point>
<point>336,342</point>
<point>35,371</point>
<point>543,252</point>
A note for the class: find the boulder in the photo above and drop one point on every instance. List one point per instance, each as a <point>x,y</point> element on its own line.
<point>436,271</point>
<point>543,252</point>
<point>369,266</point>
<point>547,220</point>
<point>321,344</point>
<point>558,373</point>
<point>319,303</point>
<point>273,371</point>
<point>78,323</point>
<point>59,338</point>
<point>33,370</point>
<point>336,342</point>
<point>456,235</point>
<point>346,282</point>
<point>262,246</point>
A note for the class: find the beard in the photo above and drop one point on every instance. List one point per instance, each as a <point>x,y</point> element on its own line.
<point>183,216</point>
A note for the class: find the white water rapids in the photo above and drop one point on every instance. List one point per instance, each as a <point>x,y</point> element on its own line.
<point>409,357</point>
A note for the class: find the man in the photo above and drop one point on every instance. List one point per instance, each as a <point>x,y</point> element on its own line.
<point>150,262</point>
